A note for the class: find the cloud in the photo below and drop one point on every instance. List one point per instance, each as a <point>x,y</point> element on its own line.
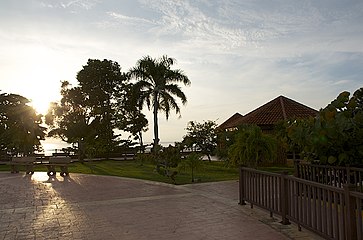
<point>132,20</point>
<point>83,4</point>
<point>249,26</point>
<point>188,24</point>
<point>238,54</point>
<point>132,24</point>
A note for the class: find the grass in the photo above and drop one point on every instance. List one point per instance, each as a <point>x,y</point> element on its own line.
<point>212,171</point>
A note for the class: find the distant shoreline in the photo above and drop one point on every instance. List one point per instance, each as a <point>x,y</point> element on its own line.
<point>53,145</point>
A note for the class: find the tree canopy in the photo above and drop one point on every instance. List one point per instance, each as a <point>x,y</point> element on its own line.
<point>20,126</point>
<point>251,147</point>
<point>201,136</point>
<point>158,84</point>
<point>86,113</point>
<point>129,115</point>
<point>335,136</point>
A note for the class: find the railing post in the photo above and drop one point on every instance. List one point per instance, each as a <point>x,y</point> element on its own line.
<point>284,198</point>
<point>350,215</point>
<point>241,186</point>
<point>348,174</point>
<point>296,167</point>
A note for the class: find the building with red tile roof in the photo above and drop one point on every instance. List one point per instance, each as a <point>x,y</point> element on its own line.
<point>267,115</point>
<point>230,122</point>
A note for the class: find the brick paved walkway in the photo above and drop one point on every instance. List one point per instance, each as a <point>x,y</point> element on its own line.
<point>102,207</point>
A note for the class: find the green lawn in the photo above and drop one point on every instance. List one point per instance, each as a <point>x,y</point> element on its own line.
<point>214,171</point>
<point>211,172</point>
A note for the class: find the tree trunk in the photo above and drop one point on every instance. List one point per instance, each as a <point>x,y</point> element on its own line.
<point>156,127</point>
<point>141,143</point>
<point>80,151</point>
<point>192,175</point>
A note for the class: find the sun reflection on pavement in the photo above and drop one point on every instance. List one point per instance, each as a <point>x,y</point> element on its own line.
<point>55,216</point>
<point>40,177</point>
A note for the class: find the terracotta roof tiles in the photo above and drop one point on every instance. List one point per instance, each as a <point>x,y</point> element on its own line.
<point>230,122</point>
<point>280,108</point>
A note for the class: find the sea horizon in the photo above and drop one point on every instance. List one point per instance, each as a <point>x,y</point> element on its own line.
<point>54,145</point>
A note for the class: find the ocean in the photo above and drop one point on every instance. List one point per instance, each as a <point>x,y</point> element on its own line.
<point>52,145</point>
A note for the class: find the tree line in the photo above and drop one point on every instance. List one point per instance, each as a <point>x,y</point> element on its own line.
<point>104,100</point>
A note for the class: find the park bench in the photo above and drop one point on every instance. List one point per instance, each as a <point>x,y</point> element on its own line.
<point>58,162</point>
<point>28,162</point>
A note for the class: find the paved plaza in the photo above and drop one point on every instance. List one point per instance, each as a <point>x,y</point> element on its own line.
<point>103,207</point>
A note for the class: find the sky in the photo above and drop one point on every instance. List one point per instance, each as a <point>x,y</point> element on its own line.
<point>238,54</point>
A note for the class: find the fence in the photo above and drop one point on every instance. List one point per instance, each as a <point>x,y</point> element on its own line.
<point>331,212</point>
<point>330,175</point>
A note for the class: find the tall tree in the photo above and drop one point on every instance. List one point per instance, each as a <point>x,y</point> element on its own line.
<point>86,113</point>
<point>158,85</point>
<point>20,125</point>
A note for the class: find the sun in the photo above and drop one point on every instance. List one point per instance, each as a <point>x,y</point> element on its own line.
<point>40,80</point>
<point>42,70</point>
<point>41,106</point>
<point>42,96</point>
<point>43,91</point>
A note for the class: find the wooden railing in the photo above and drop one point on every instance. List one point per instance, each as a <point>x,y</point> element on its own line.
<point>261,189</point>
<point>331,212</point>
<point>330,175</point>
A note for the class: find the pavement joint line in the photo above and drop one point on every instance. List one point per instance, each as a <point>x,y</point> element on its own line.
<point>129,200</point>
<point>101,202</point>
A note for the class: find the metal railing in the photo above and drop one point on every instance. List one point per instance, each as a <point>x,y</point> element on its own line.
<point>331,212</point>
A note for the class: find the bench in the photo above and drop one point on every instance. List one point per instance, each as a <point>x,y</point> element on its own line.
<point>60,162</point>
<point>28,162</point>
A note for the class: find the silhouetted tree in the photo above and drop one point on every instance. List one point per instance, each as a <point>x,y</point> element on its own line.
<point>20,126</point>
<point>201,136</point>
<point>129,115</point>
<point>86,113</point>
<point>157,83</point>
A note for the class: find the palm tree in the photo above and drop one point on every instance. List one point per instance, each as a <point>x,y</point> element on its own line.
<point>251,147</point>
<point>158,84</point>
